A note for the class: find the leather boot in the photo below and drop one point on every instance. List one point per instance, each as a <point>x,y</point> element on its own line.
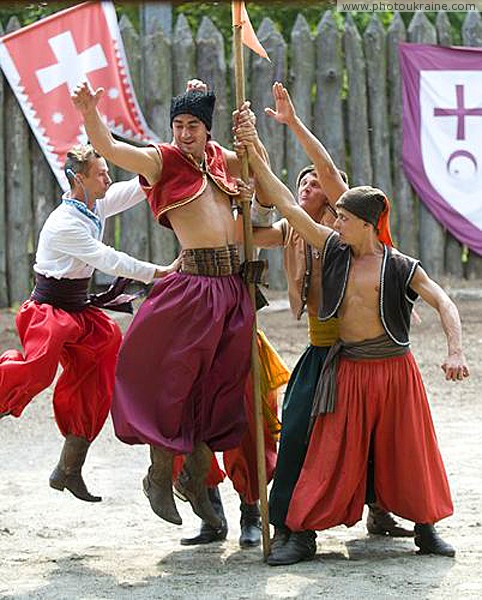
<point>192,482</point>
<point>250,525</point>
<point>381,522</point>
<point>208,533</point>
<point>429,542</point>
<point>68,473</point>
<point>157,485</point>
<point>301,545</point>
<point>280,537</point>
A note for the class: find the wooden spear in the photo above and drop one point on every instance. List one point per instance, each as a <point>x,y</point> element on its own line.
<point>248,255</point>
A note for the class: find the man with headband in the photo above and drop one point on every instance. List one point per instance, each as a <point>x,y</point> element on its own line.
<point>302,264</point>
<point>370,399</point>
<point>184,361</point>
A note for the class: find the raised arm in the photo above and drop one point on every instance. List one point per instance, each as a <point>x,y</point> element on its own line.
<point>270,187</point>
<point>328,174</point>
<point>454,366</point>
<point>145,161</point>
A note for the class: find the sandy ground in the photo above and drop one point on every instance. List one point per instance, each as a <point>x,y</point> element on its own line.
<point>55,547</point>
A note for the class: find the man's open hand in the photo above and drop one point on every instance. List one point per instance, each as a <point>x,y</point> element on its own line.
<point>84,97</point>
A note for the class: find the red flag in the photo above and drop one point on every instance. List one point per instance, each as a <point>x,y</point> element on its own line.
<point>43,62</point>
<point>248,36</point>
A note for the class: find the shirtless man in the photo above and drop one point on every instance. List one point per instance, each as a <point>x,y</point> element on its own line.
<point>371,399</point>
<point>302,265</point>
<point>184,360</point>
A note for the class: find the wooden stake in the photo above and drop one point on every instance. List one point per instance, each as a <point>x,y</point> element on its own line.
<point>248,255</point>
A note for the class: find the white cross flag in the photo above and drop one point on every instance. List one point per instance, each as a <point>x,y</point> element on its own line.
<point>43,63</point>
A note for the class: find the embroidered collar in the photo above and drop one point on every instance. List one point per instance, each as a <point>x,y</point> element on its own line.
<point>83,209</point>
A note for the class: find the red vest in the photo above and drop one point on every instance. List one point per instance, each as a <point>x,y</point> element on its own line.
<point>183,180</point>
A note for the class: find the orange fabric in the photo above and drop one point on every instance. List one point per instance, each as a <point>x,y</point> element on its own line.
<point>383,225</point>
<point>248,36</point>
<point>273,374</point>
<point>383,401</point>
<point>85,343</point>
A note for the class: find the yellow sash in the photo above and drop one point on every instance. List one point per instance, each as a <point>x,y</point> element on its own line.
<point>322,333</point>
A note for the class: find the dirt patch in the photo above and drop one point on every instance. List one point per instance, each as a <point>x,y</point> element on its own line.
<point>55,547</point>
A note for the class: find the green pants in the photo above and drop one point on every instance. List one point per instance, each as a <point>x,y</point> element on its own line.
<point>295,422</point>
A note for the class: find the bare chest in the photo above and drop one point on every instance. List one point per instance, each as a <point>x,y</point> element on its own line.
<point>363,286</point>
<point>208,219</point>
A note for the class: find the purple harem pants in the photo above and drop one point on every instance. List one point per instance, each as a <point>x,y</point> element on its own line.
<point>183,365</point>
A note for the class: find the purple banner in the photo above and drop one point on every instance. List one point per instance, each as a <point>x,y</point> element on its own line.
<point>442,134</point>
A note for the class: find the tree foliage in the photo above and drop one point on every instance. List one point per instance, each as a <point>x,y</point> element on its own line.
<point>29,12</point>
<point>282,12</point>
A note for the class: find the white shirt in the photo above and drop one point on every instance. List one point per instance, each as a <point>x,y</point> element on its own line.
<point>69,243</point>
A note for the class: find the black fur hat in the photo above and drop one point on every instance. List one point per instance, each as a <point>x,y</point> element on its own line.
<point>194,103</point>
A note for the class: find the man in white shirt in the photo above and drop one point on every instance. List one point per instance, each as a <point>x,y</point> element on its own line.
<point>59,323</point>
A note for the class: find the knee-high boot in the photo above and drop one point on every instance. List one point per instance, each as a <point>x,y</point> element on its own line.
<point>192,482</point>
<point>250,525</point>
<point>157,485</point>
<point>68,473</point>
<point>207,533</point>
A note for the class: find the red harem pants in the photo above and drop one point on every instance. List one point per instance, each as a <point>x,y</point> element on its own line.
<point>380,402</point>
<point>85,343</point>
<point>241,462</point>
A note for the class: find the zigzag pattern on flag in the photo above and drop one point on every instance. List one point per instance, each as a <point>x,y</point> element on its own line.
<point>83,41</point>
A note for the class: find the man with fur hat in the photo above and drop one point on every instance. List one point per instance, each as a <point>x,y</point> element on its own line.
<point>184,360</point>
<point>370,399</point>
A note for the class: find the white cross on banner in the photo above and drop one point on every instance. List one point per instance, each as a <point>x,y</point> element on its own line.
<point>46,60</point>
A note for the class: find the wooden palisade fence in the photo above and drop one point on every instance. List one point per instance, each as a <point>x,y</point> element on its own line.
<point>356,111</point>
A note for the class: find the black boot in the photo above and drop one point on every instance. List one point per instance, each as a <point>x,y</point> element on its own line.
<point>157,485</point>
<point>301,545</point>
<point>208,533</point>
<point>429,542</point>
<point>250,525</point>
<point>280,537</point>
<point>68,473</point>
<point>192,483</point>
<point>381,522</point>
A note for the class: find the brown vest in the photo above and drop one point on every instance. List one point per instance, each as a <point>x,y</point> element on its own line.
<point>295,254</point>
